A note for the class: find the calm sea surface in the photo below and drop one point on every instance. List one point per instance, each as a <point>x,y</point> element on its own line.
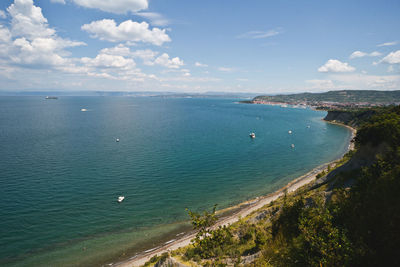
<point>61,169</point>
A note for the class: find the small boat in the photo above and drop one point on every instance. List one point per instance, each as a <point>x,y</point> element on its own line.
<point>290,132</point>
<point>121,198</point>
<point>292,145</point>
<point>83,109</point>
<point>51,97</point>
<point>117,140</point>
<point>252,135</point>
<point>308,126</point>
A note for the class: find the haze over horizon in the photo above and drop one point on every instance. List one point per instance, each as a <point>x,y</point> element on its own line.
<point>196,47</point>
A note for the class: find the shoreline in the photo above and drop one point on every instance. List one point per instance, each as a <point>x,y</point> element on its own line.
<point>243,209</point>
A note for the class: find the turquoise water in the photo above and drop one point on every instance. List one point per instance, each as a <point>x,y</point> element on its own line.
<point>61,170</point>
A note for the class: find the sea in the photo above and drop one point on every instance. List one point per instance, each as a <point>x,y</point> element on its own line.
<point>61,169</point>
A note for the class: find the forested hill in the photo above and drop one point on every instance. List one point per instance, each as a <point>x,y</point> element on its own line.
<point>344,96</point>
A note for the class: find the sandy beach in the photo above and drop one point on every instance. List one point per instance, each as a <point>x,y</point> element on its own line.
<point>244,209</point>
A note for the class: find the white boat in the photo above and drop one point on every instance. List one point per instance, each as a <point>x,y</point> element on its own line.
<point>292,145</point>
<point>308,126</point>
<point>117,140</point>
<point>121,198</point>
<point>83,109</point>
<point>252,135</point>
<point>290,132</point>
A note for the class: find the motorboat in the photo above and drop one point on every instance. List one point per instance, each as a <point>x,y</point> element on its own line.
<point>252,135</point>
<point>121,198</point>
<point>290,132</point>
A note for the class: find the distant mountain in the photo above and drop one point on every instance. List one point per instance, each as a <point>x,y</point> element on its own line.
<point>132,94</point>
<point>344,96</point>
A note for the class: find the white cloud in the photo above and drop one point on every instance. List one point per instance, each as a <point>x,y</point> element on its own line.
<point>5,34</point>
<point>387,44</point>
<point>165,61</point>
<point>3,14</point>
<point>225,69</point>
<point>147,55</point>
<point>358,54</point>
<point>363,81</point>
<point>119,50</point>
<point>334,65</point>
<point>109,61</point>
<point>258,34</point>
<point>128,30</point>
<point>115,6</point>
<point>39,52</point>
<point>375,54</point>
<point>155,18</point>
<point>58,1</point>
<point>30,42</point>
<point>28,20</point>
<point>201,65</point>
<point>392,58</point>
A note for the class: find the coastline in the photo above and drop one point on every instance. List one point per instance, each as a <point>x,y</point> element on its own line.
<point>243,209</point>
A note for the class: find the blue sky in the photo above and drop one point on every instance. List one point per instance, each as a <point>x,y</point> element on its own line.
<point>199,46</point>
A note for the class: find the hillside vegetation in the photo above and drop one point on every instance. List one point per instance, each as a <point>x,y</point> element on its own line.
<point>349,217</point>
<point>344,96</point>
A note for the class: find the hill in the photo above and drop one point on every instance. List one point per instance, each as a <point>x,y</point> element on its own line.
<point>344,96</point>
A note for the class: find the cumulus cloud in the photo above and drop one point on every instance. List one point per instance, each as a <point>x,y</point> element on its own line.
<point>5,34</point>
<point>129,31</point>
<point>392,58</point>
<point>115,6</point>
<point>387,44</point>
<point>119,50</point>
<point>109,61</point>
<point>40,51</point>
<point>147,55</point>
<point>334,65</point>
<point>358,54</point>
<point>155,18</point>
<point>3,14</point>
<point>58,1</point>
<point>28,20</point>
<point>164,60</point>
<point>201,65</point>
<point>258,34</point>
<point>29,41</point>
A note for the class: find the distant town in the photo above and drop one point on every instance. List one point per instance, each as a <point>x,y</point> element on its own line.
<point>346,99</point>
